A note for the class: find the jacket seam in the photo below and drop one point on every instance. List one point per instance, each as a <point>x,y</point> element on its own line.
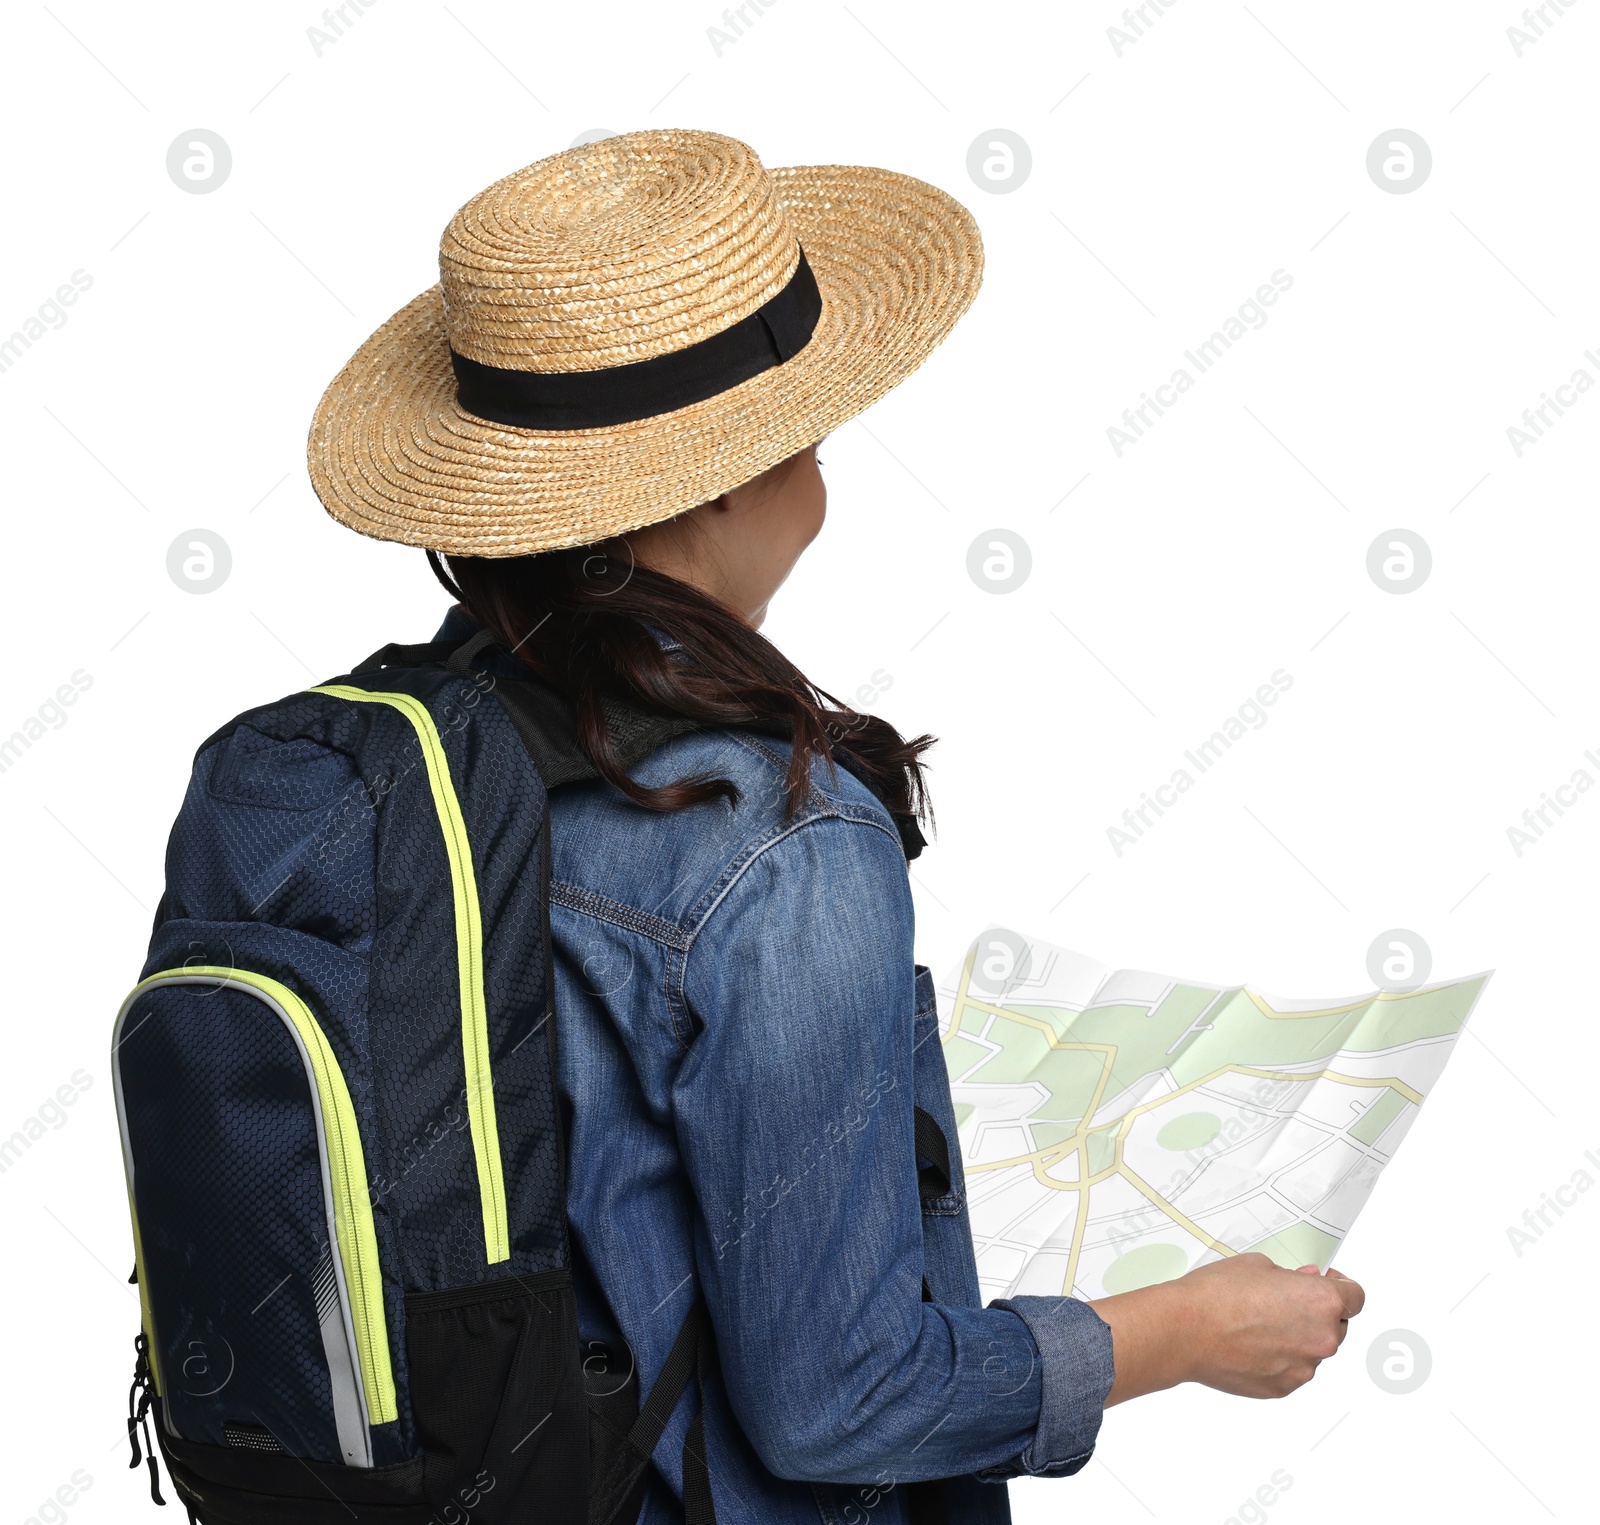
<point>815,799</point>
<point>775,759</point>
<point>825,1508</point>
<point>677,1007</point>
<point>734,870</point>
<point>679,936</point>
<point>706,906</point>
<point>588,903</point>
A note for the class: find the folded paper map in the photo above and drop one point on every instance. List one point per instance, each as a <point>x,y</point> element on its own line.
<point>1118,1129</point>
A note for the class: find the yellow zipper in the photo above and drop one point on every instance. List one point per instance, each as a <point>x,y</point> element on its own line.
<point>469,964</point>
<point>146,1318</point>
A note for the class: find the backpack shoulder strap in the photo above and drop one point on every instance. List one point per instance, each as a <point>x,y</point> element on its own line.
<point>549,729</point>
<point>543,718</point>
<point>397,655</point>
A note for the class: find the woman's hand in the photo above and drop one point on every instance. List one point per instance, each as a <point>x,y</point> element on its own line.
<point>1242,1325</point>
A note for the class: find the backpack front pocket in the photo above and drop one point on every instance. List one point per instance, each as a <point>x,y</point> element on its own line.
<point>258,1265</point>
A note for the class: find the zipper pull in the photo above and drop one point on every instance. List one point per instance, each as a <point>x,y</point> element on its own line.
<point>155,1475</point>
<point>138,1416</point>
<point>134,1390</point>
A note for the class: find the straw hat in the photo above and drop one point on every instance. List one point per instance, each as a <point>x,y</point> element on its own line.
<point>627,329</point>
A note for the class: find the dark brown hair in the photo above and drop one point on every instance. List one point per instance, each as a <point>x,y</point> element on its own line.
<point>592,624</point>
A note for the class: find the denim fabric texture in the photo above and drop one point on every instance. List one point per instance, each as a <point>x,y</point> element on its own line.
<point>743,1035</point>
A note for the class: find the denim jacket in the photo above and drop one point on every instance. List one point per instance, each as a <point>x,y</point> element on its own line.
<point>743,1036</point>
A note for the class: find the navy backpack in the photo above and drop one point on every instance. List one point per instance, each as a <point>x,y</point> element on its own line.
<point>335,1082</point>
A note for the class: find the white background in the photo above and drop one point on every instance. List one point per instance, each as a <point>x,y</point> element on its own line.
<point>1167,584</point>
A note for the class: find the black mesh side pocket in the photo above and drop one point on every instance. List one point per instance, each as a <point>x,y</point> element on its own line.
<point>611,1382</point>
<point>498,1396</point>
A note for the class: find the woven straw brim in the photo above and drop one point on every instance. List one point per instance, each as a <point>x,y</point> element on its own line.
<point>393,456</point>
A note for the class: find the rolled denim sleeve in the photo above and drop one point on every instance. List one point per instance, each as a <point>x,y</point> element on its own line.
<point>1076,1370</point>
<point>794,1113</point>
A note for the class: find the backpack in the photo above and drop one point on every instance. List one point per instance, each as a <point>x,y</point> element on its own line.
<point>336,1090</point>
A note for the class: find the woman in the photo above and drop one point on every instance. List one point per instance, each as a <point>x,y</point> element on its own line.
<point>605,437</point>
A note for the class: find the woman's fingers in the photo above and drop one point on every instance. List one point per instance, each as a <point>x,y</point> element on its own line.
<point>1240,1325</point>
<point>1353,1293</point>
